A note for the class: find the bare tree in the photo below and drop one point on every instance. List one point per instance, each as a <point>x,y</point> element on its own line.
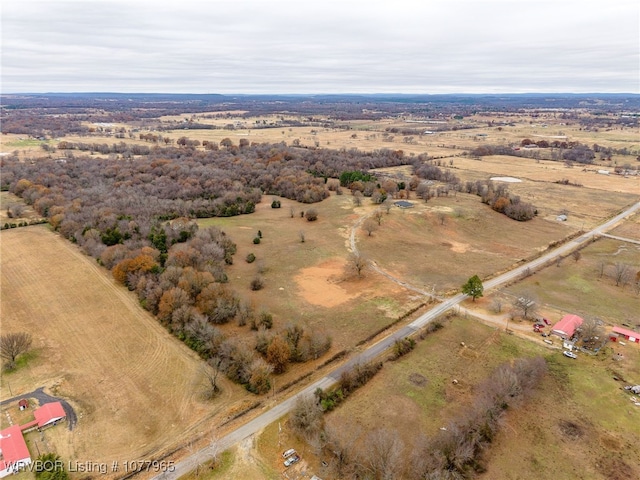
<point>496,304</point>
<point>340,446</point>
<point>15,210</point>
<point>526,303</point>
<point>377,215</point>
<point>621,274</point>
<point>601,269</point>
<point>214,449</point>
<point>212,389</point>
<point>442,217</point>
<point>387,204</point>
<point>306,417</point>
<point>357,263</point>
<point>591,328</point>
<point>12,345</point>
<point>370,226</point>
<point>357,198</point>
<point>383,455</point>
<point>576,255</point>
<point>301,235</point>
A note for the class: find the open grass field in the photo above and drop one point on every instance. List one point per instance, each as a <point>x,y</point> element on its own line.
<point>445,241</point>
<point>577,287</point>
<point>579,424</point>
<point>7,199</point>
<point>309,283</point>
<point>136,390</point>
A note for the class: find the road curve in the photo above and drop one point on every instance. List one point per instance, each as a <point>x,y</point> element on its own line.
<point>190,463</point>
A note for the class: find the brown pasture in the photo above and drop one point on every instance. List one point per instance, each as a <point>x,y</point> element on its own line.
<point>136,389</point>
<point>309,283</point>
<point>443,242</point>
<point>416,395</point>
<point>577,286</point>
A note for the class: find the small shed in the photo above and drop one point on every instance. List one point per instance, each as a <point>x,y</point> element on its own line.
<point>23,404</point>
<point>630,335</point>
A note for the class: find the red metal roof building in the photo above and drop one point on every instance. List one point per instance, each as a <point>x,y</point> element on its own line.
<point>566,327</point>
<point>626,333</point>
<point>14,453</point>
<point>49,413</point>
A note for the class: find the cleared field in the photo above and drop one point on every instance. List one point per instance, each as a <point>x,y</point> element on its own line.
<point>445,241</point>
<point>7,199</point>
<point>309,282</point>
<point>136,389</point>
<point>577,287</point>
<point>548,171</point>
<point>578,424</point>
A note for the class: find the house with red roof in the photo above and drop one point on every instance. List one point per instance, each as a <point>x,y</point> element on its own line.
<point>14,454</point>
<point>567,326</point>
<point>630,335</point>
<point>49,414</point>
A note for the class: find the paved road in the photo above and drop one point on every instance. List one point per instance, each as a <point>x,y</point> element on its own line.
<point>190,463</point>
<point>43,398</point>
<point>622,239</point>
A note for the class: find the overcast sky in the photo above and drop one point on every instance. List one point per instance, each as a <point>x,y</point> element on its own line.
<point>321,46</point>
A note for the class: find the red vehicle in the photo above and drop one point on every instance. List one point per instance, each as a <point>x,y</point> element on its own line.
<point>546,321</point>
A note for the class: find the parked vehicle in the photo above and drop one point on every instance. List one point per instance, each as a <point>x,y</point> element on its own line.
<point>288,453</point>
<point>291,460</point>
<point>546,321</point>
<point>569,354</point>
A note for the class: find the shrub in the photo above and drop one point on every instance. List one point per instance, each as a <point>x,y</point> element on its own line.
<point>402,347</point>
<point>311,215</point>
<point>256,240</point>
<point>276,204</point>
<point>257,284</point>
<point>251,258</point>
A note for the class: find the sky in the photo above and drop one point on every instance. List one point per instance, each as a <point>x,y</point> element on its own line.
<point>320,46</point>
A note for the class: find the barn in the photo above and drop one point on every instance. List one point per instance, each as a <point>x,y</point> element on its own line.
<point>567,326</point>
<point>617,332</point>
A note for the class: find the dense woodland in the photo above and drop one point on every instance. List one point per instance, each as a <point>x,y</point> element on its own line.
<point>135,215</point>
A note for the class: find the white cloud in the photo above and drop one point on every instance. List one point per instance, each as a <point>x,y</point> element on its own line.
<point>259,46</point>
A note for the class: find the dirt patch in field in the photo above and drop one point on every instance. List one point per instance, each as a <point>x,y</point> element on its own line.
<point>570,429</point>
<point>418,380</point>
<point>615,468</point>
<point>319,285</point>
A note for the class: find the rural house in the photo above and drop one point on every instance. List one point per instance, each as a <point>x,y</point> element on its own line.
<point>617,332</point>
<point>14,453</point>
<point>566,327</point>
